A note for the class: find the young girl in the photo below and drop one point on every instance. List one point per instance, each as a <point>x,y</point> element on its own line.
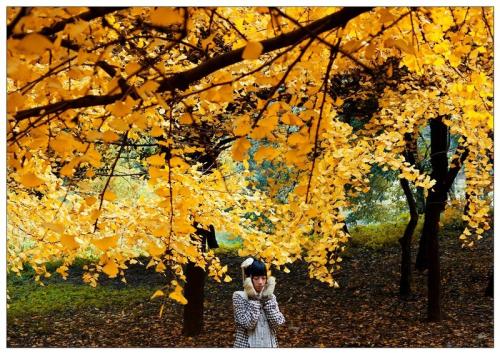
<point>256,311</point>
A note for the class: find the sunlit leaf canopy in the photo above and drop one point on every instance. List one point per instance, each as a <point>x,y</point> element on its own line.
<point>129,127</point>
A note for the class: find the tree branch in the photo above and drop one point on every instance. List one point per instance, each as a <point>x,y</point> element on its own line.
<point>333,55</point>
<point>10,28</point>
<point>184,79</point>
<point>110,176</point>
<point>93,13</point>
<point>81,102</point>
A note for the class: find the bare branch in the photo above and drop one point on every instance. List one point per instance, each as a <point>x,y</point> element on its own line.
<point>275,88</point>
<point>109,178</point>
<point>232,25</point>
<point>23,12</point>
<point>333,55</point>
<point>184,79</point>
<point>93,13</point>
<point>81,102</point>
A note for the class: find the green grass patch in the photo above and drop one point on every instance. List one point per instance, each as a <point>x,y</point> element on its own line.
<point>29,298</point>
<point>380,235</point>
<point>227,249</point>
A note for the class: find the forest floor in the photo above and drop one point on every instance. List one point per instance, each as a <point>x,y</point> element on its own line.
<point>365,311</point>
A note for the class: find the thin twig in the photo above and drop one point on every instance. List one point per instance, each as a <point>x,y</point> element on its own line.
<point>333,55</point>
<point>23,12</point>
<point>275,88</point>
<point>109,178</point>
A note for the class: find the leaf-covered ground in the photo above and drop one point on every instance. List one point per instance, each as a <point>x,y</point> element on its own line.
<point>364,312</point>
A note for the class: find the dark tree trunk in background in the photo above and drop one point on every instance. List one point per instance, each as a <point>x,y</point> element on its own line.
<point>194,293</point>
<point>438,194</point>
<point>194,288</point>
<point>405,241</point>
<point>422,260</point>
<point>433,207</point>
<point>431,227</point>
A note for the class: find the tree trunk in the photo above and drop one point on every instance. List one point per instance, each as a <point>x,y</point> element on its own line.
<point>428,253</point>
<point>405,241</point>
<point>434,205</point>
<point>194,292</point>
<point>194,289</point>
<point>431,227</point>
<point>422,260</point>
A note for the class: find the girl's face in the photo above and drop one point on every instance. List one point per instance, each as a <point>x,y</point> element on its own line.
<point>259,282</point>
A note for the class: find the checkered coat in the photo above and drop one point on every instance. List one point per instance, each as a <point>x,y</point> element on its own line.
<point>246,314</point>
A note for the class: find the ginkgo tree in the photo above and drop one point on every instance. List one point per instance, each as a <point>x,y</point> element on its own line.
<point>198,86</point>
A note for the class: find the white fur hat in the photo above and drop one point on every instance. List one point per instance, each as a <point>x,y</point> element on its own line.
<point>246,263</point>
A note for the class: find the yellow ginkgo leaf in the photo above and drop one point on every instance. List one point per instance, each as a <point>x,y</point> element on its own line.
<point>297,138</point>
<point>291,119</point>
<point>34,43</point>
<point>177,161</point>
<point>122,108</point>
<point>227,279</point>
<point>160,267</point>
<point>242,125</point>
<point>69,242</point>
<point>178,296</point>
<point>154,250</point>
<point>147,89</point>
<point>186,118</point>
<point>157,293</point>
<point>119,124</point>
<point>165,16</point>
<point>162,192</point>
<point>182,227</point>
<point>90,200</point>
<point>156,131</point>
<point>109,196</point>
<point>93,135</point>
<point>95,214</point>
<point>106,242</point>
<point>30,180</point>
<point>132,67</point>
<point>69,168</point>
<point>156,160</point>
<point>162,230</point>
<point>15,101</point>
<point>240,149</point>
<point>110,136</point>
<point>110,268</point>
<point>252,50</point>
<point>74,29</point>
<point>56,227</point>
<point>265,153</point>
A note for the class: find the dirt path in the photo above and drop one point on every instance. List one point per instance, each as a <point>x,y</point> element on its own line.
<point>364,312</point>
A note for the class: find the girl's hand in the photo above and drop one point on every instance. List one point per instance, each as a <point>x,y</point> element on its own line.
<point>249,289</point>
<point>268,290</point>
